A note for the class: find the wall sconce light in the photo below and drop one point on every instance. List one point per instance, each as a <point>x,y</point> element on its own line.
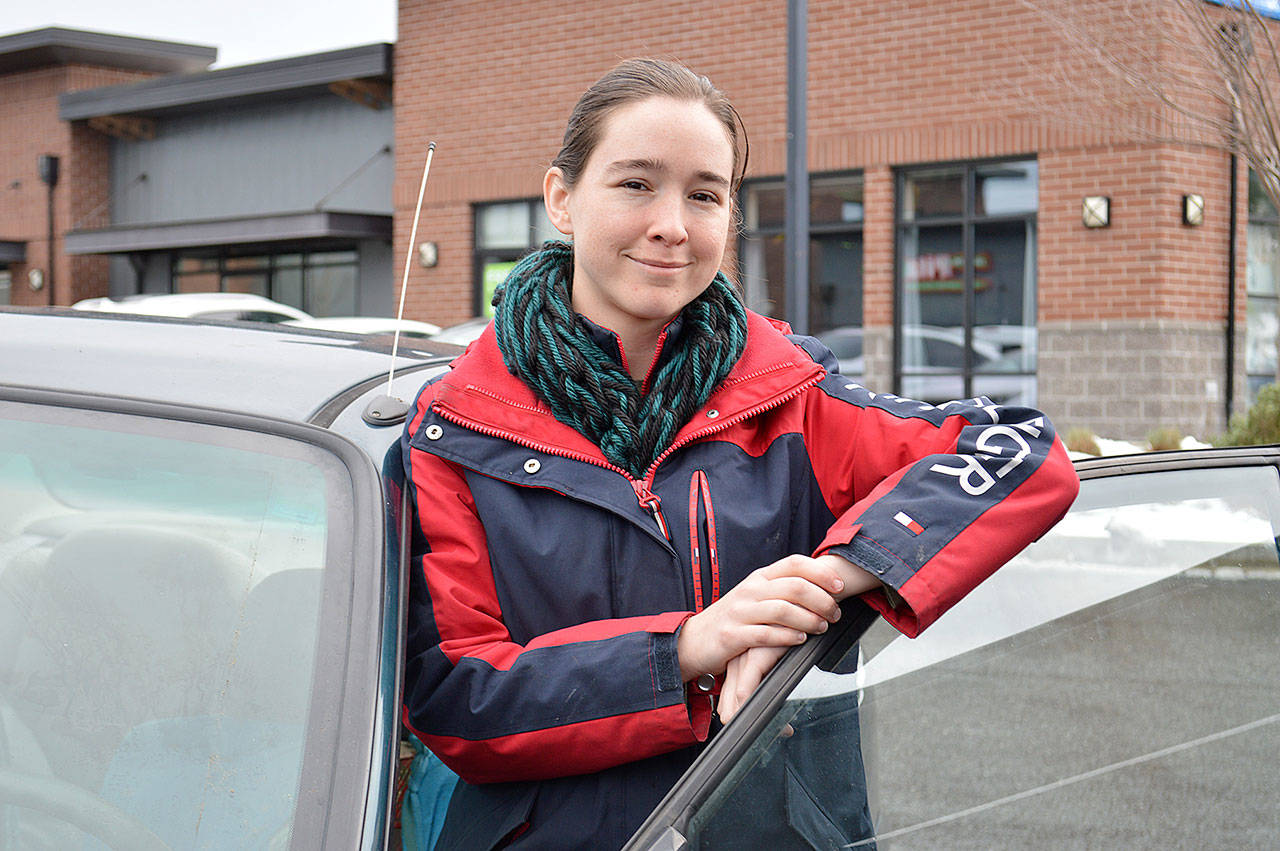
<point>1096,211</point>
<point>428,254</point>
<point>1193,210</point>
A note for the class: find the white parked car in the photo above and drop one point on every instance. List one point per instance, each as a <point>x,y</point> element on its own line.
<point>369,325</point>
<point>241,306</point>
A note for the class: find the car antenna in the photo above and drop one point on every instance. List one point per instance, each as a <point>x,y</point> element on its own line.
<point>388,409</point>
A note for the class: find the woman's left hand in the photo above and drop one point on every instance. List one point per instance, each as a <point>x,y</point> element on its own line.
<point>746,670</point>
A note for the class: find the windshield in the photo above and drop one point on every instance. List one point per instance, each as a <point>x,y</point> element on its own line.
<point>1113,685</point>
<point>160,590</point>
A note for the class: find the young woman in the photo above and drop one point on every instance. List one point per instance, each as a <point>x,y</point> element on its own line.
<point>631,492</point>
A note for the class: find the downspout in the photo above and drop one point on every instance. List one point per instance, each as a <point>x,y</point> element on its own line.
<point>1229,396</point>
<point>796,238</point>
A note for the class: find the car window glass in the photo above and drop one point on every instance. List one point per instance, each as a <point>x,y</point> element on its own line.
<point>1113,685</point>
<point>160,589</point>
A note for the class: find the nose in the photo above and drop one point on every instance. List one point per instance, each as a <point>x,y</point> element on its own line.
<point>667,222</point>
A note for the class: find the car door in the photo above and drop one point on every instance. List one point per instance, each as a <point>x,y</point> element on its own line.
<point>194,611</point>
<point>1114,686</point>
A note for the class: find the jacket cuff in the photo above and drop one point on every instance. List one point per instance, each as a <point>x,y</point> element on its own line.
<point>664,632</point>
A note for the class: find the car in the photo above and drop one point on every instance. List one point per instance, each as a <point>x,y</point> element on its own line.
<point>200,592</point>
<point>202,615</point>
<point>240,306</point>
<point>464,332</point>
<point>370,325</point>
<point>934,366</point>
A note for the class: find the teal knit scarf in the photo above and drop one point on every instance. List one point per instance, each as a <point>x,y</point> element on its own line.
<point>544,344</point>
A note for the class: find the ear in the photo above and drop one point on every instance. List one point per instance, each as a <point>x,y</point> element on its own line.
<point>555,194</point>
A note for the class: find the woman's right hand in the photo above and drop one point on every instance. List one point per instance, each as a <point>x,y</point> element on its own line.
<point>778,605</point>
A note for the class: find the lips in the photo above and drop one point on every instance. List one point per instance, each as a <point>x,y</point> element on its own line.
<point>660,264</point>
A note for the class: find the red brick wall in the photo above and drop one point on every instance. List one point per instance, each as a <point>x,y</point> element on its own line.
<point>890,84</point>
<point>29,100</point>
<point>1147,264</point>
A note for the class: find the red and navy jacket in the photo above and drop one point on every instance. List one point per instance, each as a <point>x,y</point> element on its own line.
<point>547,584</point>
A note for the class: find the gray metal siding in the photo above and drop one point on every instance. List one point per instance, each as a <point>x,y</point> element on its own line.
<point>255,160</point>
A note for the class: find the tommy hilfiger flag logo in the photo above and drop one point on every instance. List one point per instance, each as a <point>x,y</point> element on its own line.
<point>911,524</point>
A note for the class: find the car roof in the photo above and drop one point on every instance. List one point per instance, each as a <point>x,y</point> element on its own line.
<point>250,367</point>
<point>188,304</point>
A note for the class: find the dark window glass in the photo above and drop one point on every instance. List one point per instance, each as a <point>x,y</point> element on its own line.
<point>505,232</point>
<point>322,283</point>
<point>966,290</point>
<point>929,194</point>
<point>835,257</point>
<point>1003,189</point>
<point>1262,334</point>
<point>835,200</point>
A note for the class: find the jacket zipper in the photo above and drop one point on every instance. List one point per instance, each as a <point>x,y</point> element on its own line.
<point>708,575</point>
<point>647,499</point>
<point>721,425</point>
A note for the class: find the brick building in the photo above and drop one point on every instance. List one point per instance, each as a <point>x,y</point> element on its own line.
<point>272,178</point>
<point>949,165</point>
<point>35,69</point>
<point>951,148</point>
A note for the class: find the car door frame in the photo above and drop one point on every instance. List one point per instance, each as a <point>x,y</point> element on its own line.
<point>343,796</point>
<point>666,827</point>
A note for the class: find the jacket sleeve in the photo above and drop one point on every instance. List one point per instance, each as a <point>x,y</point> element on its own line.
<point>932,500</point>
<point>573,701</point>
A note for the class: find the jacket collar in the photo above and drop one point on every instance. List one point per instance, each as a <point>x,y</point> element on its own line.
<point>480,393</point>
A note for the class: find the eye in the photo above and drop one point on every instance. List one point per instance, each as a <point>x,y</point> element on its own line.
<point>705,198</point>
<point>638,185</point>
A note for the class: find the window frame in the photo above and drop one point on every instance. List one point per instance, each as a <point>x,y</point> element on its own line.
<point>967,221</point>
<point>1270,217</point>
<point>746,233</point>
<point>276,261</point>
<point>480,255</point>
<point>352,722</point>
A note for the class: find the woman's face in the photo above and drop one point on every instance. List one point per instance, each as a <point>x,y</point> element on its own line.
<point>649,214</point>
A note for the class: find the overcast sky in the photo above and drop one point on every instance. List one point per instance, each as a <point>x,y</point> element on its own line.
<point>243,31</point>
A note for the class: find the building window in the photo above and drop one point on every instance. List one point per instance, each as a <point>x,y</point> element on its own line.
<point>965,287</point>
<point>323,283</point>
<point>505,232</point>
<point>1262,275</point>
<point>835,259</point>
<point>6,286</point>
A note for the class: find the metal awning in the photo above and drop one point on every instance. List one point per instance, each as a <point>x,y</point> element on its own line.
<point>250,230</point>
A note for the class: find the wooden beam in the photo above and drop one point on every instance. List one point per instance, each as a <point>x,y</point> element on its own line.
<point>374,94</point>
<point>124,126</point>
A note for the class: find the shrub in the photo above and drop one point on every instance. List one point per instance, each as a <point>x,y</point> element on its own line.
<point>1260,424</point>
<point>1164,437</point>
<point>1082,440</point>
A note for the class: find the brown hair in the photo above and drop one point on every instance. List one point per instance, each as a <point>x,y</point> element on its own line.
<point>634,80</point>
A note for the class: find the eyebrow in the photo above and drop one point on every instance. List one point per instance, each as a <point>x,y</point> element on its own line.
<point>647,164</point>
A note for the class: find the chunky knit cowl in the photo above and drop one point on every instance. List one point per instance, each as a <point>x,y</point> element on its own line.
<point>545,344</point>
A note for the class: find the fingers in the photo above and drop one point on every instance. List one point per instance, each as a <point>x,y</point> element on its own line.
<point>778,605</point>
<point>743,674</point>
<point>820,571</point>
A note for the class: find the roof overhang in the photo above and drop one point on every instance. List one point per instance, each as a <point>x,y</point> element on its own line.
<point>62,46</point>
<point>250,230</point>
<point>243,83</point>
<point>12,252</point>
